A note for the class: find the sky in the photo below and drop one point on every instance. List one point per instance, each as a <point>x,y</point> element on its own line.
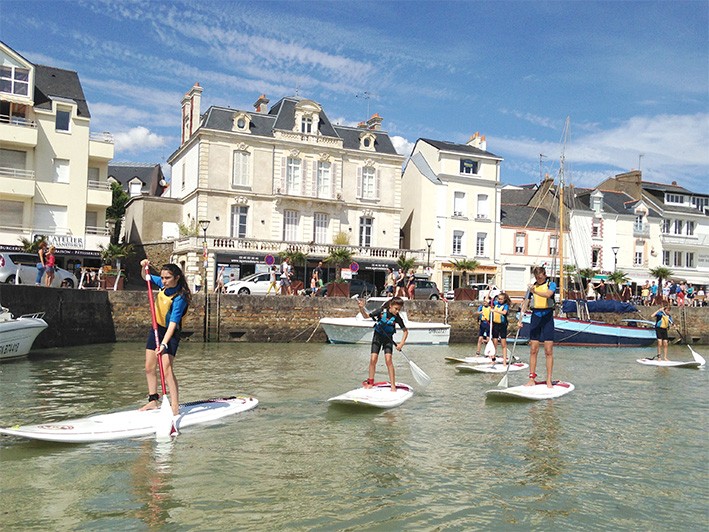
<point>632,77</point>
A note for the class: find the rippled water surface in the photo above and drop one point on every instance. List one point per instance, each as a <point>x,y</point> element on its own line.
<point>625,450</point>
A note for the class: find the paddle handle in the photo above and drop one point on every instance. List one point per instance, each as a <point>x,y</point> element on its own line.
<point>148,279</point>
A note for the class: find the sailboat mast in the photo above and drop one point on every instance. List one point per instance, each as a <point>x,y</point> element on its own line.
<point>562,291</point>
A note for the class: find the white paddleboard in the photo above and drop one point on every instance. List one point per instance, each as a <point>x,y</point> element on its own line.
<point>532,393</point>
<point>379,396</point>
<point>670,363</point>
<point>490,368</point>
<point>469,360</point>
<point>131,423</point>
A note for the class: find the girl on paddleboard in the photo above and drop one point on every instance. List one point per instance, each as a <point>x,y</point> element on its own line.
<point>499,323</point>
<point>663,320</point>
<point>484,314</point>
<point>170,306</point>
<point>387,318</point>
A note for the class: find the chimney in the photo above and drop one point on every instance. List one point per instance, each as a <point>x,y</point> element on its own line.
<point>362,125</point>
<point>483,143</point>
<point>375,122</point>
<point>261,105</point>
<point>191,103</point>
<point>474,141</point>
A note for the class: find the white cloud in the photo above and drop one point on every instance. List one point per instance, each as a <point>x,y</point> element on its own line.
<point>138,139</point>
<point>402,145</point>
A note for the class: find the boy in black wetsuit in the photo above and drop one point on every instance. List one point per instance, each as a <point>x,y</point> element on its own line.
<point>387,318</point>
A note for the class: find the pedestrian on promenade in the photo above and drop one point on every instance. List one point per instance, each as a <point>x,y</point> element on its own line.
<point>50,262</point>
<point>41,265</point>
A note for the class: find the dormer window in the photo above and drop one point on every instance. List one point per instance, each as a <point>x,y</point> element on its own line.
<point>63,119</point>
<point>135,187</point>
<point>14,80</point>
<point>677,199</point>
<point>306,124</point>
<point>468,167</point>
<point>241,122</point>
<point>366,141</point>
<point>307,117</point>
<point>597,202</point>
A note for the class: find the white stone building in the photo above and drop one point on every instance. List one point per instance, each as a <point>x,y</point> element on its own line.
<point>53,170</point>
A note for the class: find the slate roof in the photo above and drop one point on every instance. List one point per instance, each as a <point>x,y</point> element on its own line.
<point>460,148</point>
<point>517,197</point>
<point>422,165</point>
<point>613,202</point>
<point>656,192</point>
<point>282,117</point>
<point>526,216</point>
<point>56,82</point>
<point>149,173</point>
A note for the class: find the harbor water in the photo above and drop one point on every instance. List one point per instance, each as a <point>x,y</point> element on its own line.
<point>627,450</point>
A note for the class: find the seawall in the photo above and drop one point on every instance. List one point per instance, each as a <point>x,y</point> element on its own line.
<point>78,317</point>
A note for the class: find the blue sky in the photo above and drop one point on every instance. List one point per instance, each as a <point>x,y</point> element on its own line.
<point>632,76</point>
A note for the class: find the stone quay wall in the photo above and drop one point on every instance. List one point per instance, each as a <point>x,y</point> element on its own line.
<point>78,317</point>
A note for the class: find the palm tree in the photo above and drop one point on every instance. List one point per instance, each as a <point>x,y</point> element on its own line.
<point>405,264</point>
<point>114,252</point>
<point>662,273</point>
<point>32,246</point>
<point>617,277</point>
<point>339,256</point>
<point>296,257</point>
<point>465,266</point>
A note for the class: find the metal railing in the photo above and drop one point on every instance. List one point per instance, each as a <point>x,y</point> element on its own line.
<point>17,121</point>
<point>98,185</point>
<point>105,136</point>
<point>641,229</point>
<point>18,173</point>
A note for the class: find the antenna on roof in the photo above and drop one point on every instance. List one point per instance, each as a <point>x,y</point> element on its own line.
<point>640,160</point>
<point>541,156</point>
<point>365,95</point>
<point>297,90</point>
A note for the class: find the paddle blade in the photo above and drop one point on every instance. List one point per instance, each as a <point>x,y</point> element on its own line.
<point>419,374</point>
<point>490,348</point>
<point>504,383</point>
<point>699,358</point>
<point>164,426</point>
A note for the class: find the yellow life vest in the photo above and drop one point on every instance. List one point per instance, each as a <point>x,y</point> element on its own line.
<point>664,322</point>
<point>541,302</point>
<point>497,317</point>
<point>485,314</point>
<point>163,302</point>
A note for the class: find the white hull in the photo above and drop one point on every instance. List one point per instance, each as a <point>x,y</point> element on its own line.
<point>18,335</point>
<point>131,423</point>
<point>358,330</point>
<point>380,396</point>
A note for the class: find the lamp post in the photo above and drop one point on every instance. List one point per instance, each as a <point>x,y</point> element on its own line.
<point>429,243</point>
<point>204,224</point>
<point>615,250</point>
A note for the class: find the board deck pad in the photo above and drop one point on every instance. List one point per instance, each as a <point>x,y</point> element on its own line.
<point>470,360</point>
<point>379,396</point>
<point>670,363</point>
<point>537,392</point>
<point>131,423</point>
<point>490,368</point>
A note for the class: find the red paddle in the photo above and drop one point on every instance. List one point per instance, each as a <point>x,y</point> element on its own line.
<point>165,404</point>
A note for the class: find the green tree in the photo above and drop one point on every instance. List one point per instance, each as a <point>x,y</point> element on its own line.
<point>339,256</point>
<point>32,246</point>
<point>587,274</point>
<point>296,257</point>
<point>404,263</point>
<point>465,266</point>
<point>617,278</point>
<point>661,273</point>
<point>113,252</point>
<point>117,209</point>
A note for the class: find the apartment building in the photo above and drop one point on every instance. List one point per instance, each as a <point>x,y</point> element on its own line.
<point>53,170</point>
<point>253,183</point>
<point>451,205</point>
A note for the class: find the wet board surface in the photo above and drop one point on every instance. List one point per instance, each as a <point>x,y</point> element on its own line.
<point>469,360</point>
<point>669,363</point>
<point>490,368</point>
<point>131,423</point>
<point>532,393</point>
<point>379,396</point>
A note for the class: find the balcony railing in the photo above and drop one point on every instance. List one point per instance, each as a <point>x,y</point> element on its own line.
<point>311,249</point>
<point>16,172</point>
<point>17,121</point>
<point>641,230</point>
<point>105,136</point>
<point>98,185</point>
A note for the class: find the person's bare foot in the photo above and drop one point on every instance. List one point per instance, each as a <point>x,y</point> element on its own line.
<point>549,383</point>
<point>531,382</point>
<point>393,388</point>
<point>151,405</point>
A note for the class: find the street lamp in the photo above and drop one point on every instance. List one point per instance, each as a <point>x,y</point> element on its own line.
<point>429,243</point>
<point>204,224</point>
<point>615,250</point>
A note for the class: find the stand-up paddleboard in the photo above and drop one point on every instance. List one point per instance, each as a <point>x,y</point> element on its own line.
<point>490,368</point>
<point>469,360</point>
<point>532,393</point>
<point>670,363</point>
<point>131,423</point>
<point>378,396</point>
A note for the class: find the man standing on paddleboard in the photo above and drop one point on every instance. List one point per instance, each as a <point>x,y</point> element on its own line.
<point>170,306</point>
<point>663,320</point>
<point>541,299</point>
<point>387,318</point>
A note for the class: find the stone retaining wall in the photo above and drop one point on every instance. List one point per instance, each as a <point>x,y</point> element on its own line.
<point>78,317</point>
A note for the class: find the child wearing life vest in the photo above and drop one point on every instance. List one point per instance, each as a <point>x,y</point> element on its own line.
<point>484,313</point>
<point>170,306</point>
<point>663,320</point>
<point>499,323</point>
<point>387,318</point>
<point>541,325</point>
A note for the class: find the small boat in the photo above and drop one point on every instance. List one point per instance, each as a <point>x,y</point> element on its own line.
<point>358,329</point>
<point>18,334</point>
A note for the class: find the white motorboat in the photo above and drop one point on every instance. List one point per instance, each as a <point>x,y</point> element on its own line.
<point>18,334</point>
<point>358,329</point>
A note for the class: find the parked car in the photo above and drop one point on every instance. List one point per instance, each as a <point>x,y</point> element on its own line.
<point>426,289</point>
<point>256,283</point>
<point>484,289</point>
<point>361,288</point>
<point>27,264</point>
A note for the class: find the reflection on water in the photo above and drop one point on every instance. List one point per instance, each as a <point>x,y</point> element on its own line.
<point>446,459</point>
